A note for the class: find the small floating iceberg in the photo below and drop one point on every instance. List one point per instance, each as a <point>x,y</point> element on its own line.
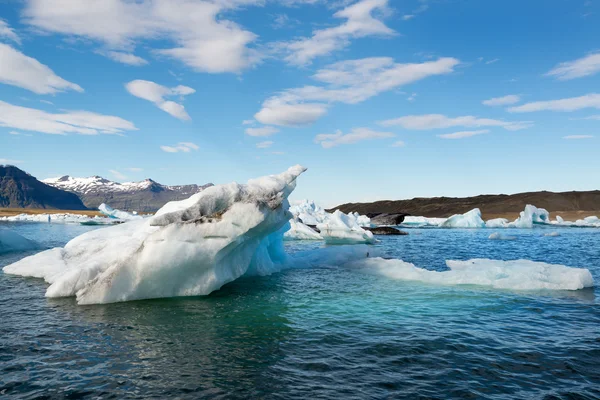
<point>299,231</point>
<point>13,242</point>
<point>497,223</point>
<point>500,236</point>
<point>118,214</point>
<point>470,219</point>
<point>340,228</point>
<point>531,216</point>
<point>410,221</point>
<point>190,247</point>
<point>515,275</point>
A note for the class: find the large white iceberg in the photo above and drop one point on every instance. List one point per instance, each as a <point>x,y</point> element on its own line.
<point>308,212</point>
<point>11,241</point>
<point>299,231</point>
<point>515,275</point>
<point>530,216</point>
<point>118,214</point>
<point>344,228</point>
<point>190,247</point>
<point>470,219</point>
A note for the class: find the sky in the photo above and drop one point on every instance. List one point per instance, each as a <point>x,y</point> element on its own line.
<point>380,99</point>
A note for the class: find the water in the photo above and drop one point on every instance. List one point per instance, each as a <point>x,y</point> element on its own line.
<point>316,333</point>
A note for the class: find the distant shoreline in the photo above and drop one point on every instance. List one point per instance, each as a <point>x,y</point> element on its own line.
<point>10,212</point>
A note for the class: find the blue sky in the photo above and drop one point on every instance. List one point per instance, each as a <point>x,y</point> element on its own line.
<point>379,99</point>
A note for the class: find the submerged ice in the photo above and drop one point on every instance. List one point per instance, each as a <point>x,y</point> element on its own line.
<point>190,247</point>
<point>11,241</point>
<point>515,275</point>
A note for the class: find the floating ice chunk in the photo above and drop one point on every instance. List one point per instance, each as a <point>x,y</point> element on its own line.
<point>340,228</point>
<point>299,231</point>
<point>64,218</point>
<point>11,241</point>
<point>361,220</point>
<point>190,248</point>
<point>552,234</point>
<point>559,219</point>
<point>497,223</point>
<point>500,236</point>
<point>422,221</point>
<point>118,214</point>
<point>530,216</point>
<point>516,275</point>
<point>470,219</point>
<point>309,212</point>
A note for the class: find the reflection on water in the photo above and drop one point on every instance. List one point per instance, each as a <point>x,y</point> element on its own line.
<point>325,332</point>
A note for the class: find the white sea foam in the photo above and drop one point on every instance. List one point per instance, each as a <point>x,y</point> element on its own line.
<point>190,247</point>
<point>515,275</point>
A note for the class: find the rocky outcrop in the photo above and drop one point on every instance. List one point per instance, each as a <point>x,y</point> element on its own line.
<point>385,230</point>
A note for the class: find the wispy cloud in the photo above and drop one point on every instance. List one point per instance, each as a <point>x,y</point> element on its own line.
<point>360,22</point>
<point>585,66</point>
<point>156,94</point>
<point>7,161</point>
<point>181,147</point>
<point>7,32</point>
<point>117,174</point>
<point>81,122</point>
<point>439,121</point>
<point>349,82</point>
<point>262,131</point>
<point>19,70</point>
<point>264,145</point>
<point>399,143</point>
<point>248,122</point>
<point>502,101</point>
<point>356,135</point>
<point>463,134</point>
<point>124,58</point>
<point>492,61</point>
<point>574,137</point>
<point>591,100</point>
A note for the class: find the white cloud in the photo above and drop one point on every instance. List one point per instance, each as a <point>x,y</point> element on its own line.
<point>408,17</point>
<point>399,143</point>
<point>439,121</point>
<point>248,122</point>
<point>412,97</point>
<point>183,147</point>
<point>463,134</point>
<point>502,101</point>
<point>6,161</point>
<point>591,100</point>
<point>264,145</point>
<point>349,82</point>
<point>194,32</point>
<point>156,94</point>
<point>82,122</point>
<point>7,32</point>
<point>492,61</point>
<point>356,135</point>
<point>14,133</point>
<point>585,66</point>
<point>572,137</point>
<point>135,169</point>
<point>262,131</point>
<point>125,58</point>
<point>593,117</point>
<point>360,22</point>
<point>25,72</point>
<point>117,174</point>
<point>47,102</point>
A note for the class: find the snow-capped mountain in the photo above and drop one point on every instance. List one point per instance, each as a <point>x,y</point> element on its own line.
<point>145,196</point>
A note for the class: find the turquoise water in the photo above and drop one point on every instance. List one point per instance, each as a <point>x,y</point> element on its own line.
<point>330,332</point>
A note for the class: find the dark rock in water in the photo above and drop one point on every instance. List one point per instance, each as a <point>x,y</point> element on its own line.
<point>387,219</point>
<point>385,230</point>
<point>313,227</point>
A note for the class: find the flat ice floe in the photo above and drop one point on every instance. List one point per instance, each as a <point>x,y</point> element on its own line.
<point>515,275</point>
<point>190,247</point>
<point>11,241</point>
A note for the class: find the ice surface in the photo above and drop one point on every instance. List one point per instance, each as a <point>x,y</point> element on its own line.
<point>299,231</point>
<point>500,236</point>
<point>422,221</point>
<point>552,234</point>
<point>515,275</point>
<point>340,228</point>
<point>470,219</point>
<point>118,214</point>
<point>308,212</point>
<point>497,223</point>
<point>11,241</point>
<point>65,218</point>
<point>530,216</point>
<point>191,247</point>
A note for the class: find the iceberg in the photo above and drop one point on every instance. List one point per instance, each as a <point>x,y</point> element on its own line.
<point>308,212</point>
<point>117,214</point>
<point>340,228</point>
<point>497,274</point>
<point>497,223</point>
<point>500,236</point>
<point>422,221</point>
<point>190,247</point>
<point>12,242</point>
<point>531,216</point>
<point>299,231</point>
<point>552,234</point>
<point>64,218</point>
<point>470,219</point>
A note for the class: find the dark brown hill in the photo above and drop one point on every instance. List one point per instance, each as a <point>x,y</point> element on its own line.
<point>489,204</point>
